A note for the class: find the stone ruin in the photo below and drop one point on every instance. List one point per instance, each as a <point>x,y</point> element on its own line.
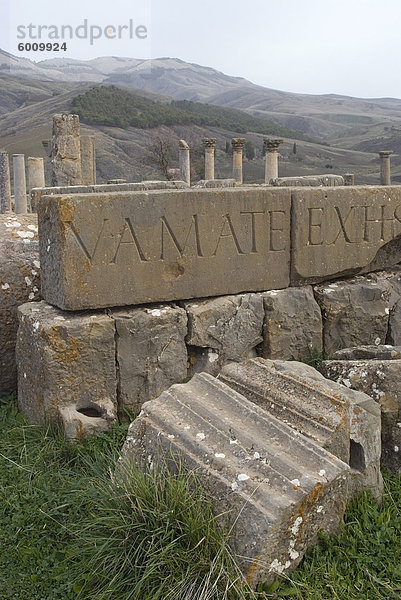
<point>144,286</point>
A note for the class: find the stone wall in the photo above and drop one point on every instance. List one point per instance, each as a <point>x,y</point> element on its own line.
<point>151,347</point>
<point>156,345</point>
<point>156,246</point>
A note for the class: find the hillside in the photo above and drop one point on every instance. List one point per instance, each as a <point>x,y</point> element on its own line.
<point>328,117</point>
<point>355,128</point>
<point>115,107</point>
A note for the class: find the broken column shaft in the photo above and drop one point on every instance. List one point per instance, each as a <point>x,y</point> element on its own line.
<point>185,162</point>
<point>20,202</point>
<point>238,147</point>
<point>385,168</point>
<point>5,187</point>
<point>271,158</point>
<point>88,160</point>
<point>210,145</point>
<point>36,173</point>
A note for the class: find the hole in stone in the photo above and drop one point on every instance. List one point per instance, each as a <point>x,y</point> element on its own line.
<point>90,411</point>
<point>356,456</point>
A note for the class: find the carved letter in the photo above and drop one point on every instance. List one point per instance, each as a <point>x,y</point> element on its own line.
<point>312,225</point>
<point>273,229</point>
<point>132,239</point>
<point>343,223</point>
<point>230,234</point>
<point>254,249</point>
<point>181,247</point>
<point>89,255</point>
<point>382,222</point>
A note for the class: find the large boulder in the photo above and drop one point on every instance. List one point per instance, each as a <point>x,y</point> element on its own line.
<point>151,352</point>
<point>292,327</point>
<point>376,372</point>
<point>223,329</point>
<point>355,313</point>
<point>66,368</point>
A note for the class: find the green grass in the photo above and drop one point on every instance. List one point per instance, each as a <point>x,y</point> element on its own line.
<point>68,530</point>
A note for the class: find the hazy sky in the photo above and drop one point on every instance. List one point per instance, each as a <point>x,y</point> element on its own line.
<point>350,47</point>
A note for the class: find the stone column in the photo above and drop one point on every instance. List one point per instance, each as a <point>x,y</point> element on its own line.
<point>349,179</point>
<point>36,173</point>
<point>238,146</point>
<point>66,151</point>
<point>5,186</point>
<point>20,201</point>
<point>185,162</point>
<point>271,158</point>
<point>210,145</point>
<point>385,168</point>
<point>88,160</point>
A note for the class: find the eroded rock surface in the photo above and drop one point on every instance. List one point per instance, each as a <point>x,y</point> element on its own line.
<point>277,487</point>
<point>355,313</point>
<point>66,368</point>
<point>292,328</point>
<point>344,422</point>
<point>379,376</point>
<point>19,283</point>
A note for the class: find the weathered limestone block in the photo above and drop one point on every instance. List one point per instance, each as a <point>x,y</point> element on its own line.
<point>344,422</point>
<point>19,283</point>
<point>37,194</point>
<point>231,326</point>
<point>151,352</point>
<point>158,246</point>
<point>215,183</point>
<point>88,159</point>
<point>66,150</point>
<point>393,279</point>
<point>309,181</point>
<point>344,231</point>
<point>276,486</point>
<point>380,352</point>
<point>66,367</point>
<point>292,328</point>
<point>355,312</point>
<point>380,379</point>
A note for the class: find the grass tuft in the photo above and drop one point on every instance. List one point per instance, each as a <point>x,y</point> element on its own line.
<point>68,530</point>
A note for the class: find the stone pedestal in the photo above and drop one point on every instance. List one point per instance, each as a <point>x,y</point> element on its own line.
<point>36,173</point>
<point>66,150</point>
<point>20,201</point>
<point>5,188</point>
<point>185,162</point>
<point>210,145</point>
<point>349,179</point>
<point>238,147</point>
<point>88,160</point>
<point>271,158</point>
<point>385,168</point>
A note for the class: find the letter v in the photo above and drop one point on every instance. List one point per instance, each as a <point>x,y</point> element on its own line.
<point>82,244</point>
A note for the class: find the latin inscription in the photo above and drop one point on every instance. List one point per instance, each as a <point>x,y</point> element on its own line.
<point>352,224</point>
<point>242,233</point>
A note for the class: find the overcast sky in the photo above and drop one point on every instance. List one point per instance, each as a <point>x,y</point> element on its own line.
<point>350,47</point>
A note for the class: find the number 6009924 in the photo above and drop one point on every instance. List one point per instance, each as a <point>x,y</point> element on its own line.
<point>42,47</point>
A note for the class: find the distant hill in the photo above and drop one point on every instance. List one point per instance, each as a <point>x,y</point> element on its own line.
<point>116,107</point>
<point>30,93</point>
<point>329,117</point>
